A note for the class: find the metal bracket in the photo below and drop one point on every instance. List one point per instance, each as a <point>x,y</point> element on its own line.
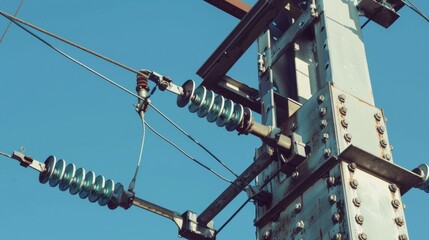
<point>262,197</point>
<point>296,156</point>
<point>381,12</point>
<point>192,229</point>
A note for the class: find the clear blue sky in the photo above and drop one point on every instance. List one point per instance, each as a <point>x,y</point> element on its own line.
<point>54,107</point>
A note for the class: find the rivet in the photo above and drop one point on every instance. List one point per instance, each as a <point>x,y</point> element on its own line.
<point>383,143</point>
<point>345,123</point>
<point>359,219</point>
<point>337,236</point>
<point>298,207</point>
<point>352,167</point>
<point>387,156</point>
<point>326,152</point>
<point>295,175</point>
<point>325,137</point>
<point>330,181</point>
<point>393,188</point>
<point>322,112</point>
<point>323,123</point>
<point>362,236</point>
<point>348,137</point>
<point>403,237</point>
<point>293,127</point>
<point>299,226</point>
<point>399,221</point>
<point>381,129</point>
<point>343,111</point>
<point>332,199</point>
<point>320,99</point>
<point>354,183</point>
<point>396,203</point>
<point>342,98</point>
<point>336,218</point>
<point>377,116</point>
<point>357,202</point>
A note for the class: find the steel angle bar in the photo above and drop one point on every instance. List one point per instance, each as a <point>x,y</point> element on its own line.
<point>236,8</point>
<point>164,212</point>
<point>241,38</point>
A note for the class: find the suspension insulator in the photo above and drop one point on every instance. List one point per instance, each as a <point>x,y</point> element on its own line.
<point>198,99</point>
<point>423,171</point>
<point>142,81</point>
<point>106,192</point>
<point>216,110</point>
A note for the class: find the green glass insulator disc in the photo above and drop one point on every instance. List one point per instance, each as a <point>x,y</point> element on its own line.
<point>226,114</point>
<point>88,185</point>
<point>200,96</point>
<point>68,177</point>
<point>116,196</point>
<point>77,181</point>
<point>217,108</point>
<point>58,173</point>
<point>109,187</point>
<point>237,117</point>
<point>49,165</point>
<point>98,189</point>
<point>207,105</point>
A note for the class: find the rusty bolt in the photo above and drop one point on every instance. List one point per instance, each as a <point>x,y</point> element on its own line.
<point>326,152</point>
<point>396,203</point>
<point>343,111</point>
<point>352,167</point>
<point>298,207</point>
<point>342,98</point>
<point>383,143</point>
<point>320,99</point>
<point>336,218</point>
<point>363,236</point>
<point>337,236</point>
<point>381,129</point>
<point>345,123</point>
<point>359,219</point>
<point>357,202</point>
<point>377,116</point>
<point>325,137</point>
<point>348,137</point>
<point>299,226</point>
<point>387,156</point>
<point>330,181</point>
<point>393,188</point>
<point>332,199</point>
<point>323,123</point>
<point>322,112</point>
<point>399,221</point>
<point>403,237</point>
<point>354,183</point>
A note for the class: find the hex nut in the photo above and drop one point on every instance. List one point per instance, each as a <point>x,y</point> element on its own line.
<point>336,218</point>
<point>383,143</point>
<point>323,123</point>
<point>393,187</point>
<point>337,236</point>
<point>332,199</point>
<point>399,221</point>
<point>396,203</point>
<point>348,137</point>
<point>387,156</point>
<point>362,236</point>
<point>267,235</point>
<point>381,129</point>
<point>352,167</point>
<point>359,219</point>
<point>354,183</point>
<point>322,111</point>
<point>403,237</point>
<point>343,111</point>
<point>295,175</point>
<point>326,152</point>
<point>299,226</point>
<point>298,207</point>
<point>342,98</point>
<point>357,202</point>
<point>293,127</point>
<point>330,181</point>
<point>377,116</point>
<point>345,123</point>
<point>325,137</point>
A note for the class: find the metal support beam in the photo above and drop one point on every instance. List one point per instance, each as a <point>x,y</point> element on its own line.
<point>236,8</point>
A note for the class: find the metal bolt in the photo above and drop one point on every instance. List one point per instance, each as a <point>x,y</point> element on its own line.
<point>342,98</point>
<point>320,99</point>
<point>381,129</point>
<point>354,183</point>
<point>348,137</point>
<point>362,236</point>
<point>359,219</point>
<point>337,236</point>
<point>387,156</point>
<point>322,112</point>
<point>333,199</point>
<point>393,188</point>
<point>345,123</point>
<point>396,203</point>
<point>403,237</point>
<point>299,226</point>
<point>298,207</point>
<point>330,181</point>
<point>293,127</point>
<point>399,221</point>
<point>267,235</point>
<point>343,111</point>
<point>326,152</point>
<point>357,202</point>
<point>336,218</point>
<point>377,116</point>
<point>325,137</point>
<point>383,143</point>
<point>295,175</point>
<point>323,123</point>
<point>352,167</point>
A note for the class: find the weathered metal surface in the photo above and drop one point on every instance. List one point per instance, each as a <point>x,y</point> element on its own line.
<point>236,8</point>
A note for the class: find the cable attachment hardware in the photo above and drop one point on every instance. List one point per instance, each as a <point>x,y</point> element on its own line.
<point>423,171</point>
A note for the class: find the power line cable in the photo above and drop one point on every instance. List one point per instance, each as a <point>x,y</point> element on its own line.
<point>413,7</point>
<point>10,22</point>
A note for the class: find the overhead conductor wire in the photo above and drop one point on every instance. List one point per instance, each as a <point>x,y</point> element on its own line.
<point>134,179</point>
<point>10,22</point>
<point>413,7</point>
<point>17,21</point>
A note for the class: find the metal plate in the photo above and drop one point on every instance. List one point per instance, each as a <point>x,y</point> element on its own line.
<point>58,173</point>
<point>68,177</point>
<point>77,181</point>
<point>88,185</point>
<point>49,164</point>
<point>217,108</point>
<point>98,189</point>
<point>109,188</point>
